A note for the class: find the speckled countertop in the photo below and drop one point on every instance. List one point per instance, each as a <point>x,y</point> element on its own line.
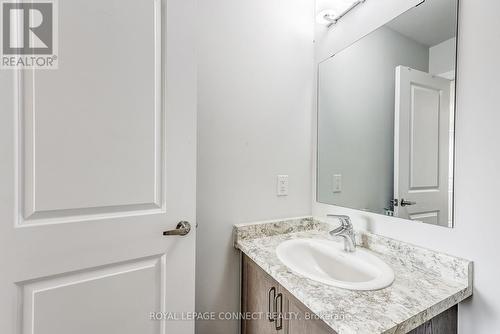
<point>426,282</point>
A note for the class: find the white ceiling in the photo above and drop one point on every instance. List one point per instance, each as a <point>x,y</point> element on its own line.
<point>430,23</point>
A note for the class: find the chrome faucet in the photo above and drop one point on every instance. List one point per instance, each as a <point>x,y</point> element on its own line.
<point>346,231</point>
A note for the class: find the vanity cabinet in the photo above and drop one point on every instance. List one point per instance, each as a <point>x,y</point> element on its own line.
<point>444,323</point>
<point>302,324</point>
<point>259,291</point>
<point>278,312</point>
<point>264,298</point>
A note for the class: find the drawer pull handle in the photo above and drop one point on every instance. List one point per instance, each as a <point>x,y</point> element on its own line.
<point>279,317</point>
<point>271,308</point>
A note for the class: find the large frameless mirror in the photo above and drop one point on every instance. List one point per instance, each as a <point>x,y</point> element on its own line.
<point>386,110</point>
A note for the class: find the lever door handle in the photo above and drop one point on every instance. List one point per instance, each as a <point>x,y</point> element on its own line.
<point>181,229</point>
<point>406,203</point>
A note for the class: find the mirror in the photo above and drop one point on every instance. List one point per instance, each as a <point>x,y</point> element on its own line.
<point>386,110</point>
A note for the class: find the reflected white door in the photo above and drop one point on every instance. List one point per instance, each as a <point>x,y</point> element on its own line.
<point>97,160</point>
<point>422,146</point>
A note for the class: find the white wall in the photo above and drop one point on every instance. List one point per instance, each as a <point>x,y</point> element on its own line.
<point>254,122</point>
<point>356,24</point>
<point>356,118</point>
<point>477,166</point>
<point>442,57</point>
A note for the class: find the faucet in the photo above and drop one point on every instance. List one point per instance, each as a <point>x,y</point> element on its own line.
<point>345,231</point>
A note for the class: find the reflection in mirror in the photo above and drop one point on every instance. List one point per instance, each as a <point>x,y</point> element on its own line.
<point>386,118</point>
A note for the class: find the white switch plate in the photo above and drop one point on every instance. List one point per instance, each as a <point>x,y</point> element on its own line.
<point>282,185</point>
<point>337,183</point>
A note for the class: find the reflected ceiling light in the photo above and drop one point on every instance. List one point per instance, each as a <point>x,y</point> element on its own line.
<point>339,9</point>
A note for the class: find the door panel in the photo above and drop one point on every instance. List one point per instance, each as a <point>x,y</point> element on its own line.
<point>98,158</point>
<point>424,138</point>
<point>95,300</point>
<point>96,148</point>
<point>422,146</point>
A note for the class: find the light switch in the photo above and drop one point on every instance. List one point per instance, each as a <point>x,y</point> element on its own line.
<point>337,183</point>
<point>282,185</point>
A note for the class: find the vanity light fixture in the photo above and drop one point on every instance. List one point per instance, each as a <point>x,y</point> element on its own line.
<point>331,16</point>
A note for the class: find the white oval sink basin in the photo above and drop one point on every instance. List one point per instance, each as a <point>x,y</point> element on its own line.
<point>326,261</point>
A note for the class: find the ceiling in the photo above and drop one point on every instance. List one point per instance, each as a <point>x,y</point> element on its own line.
<point>430,23</point>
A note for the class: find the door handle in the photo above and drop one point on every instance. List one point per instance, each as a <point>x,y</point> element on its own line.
<point>279,318</point>
<point>271,306</point>
<point>181,229</point>
<point>406,203</point>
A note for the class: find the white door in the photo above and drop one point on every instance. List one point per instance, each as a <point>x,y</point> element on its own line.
<point>97,160</point>
<point>422,146</point>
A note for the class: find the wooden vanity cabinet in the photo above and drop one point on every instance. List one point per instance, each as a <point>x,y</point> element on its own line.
<point>258,293</point>
<point>444,323</point>
<point>262,295</point>
<point>301,324</point>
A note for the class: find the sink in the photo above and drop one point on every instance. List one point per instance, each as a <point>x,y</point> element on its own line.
<point>326,261</point>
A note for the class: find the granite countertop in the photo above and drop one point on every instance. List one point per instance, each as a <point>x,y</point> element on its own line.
<point>426,282</point>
